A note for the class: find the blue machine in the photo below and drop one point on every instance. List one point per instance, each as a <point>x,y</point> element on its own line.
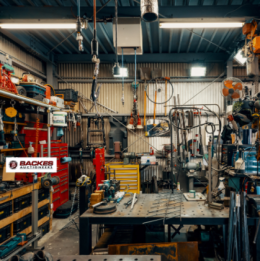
<point>11,244</point>
<point>249,155</point>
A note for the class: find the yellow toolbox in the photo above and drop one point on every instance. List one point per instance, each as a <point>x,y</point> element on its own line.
<point>128,175</point>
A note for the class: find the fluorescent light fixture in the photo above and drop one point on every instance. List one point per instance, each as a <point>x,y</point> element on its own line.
<point>123,73</point>
<point>239,57</point>
<point>200,25</point>
<point>197,71</point>
<point>179,23</point>
<point>38,26</point>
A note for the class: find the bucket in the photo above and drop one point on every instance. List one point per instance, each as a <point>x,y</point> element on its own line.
<point>59,119</point>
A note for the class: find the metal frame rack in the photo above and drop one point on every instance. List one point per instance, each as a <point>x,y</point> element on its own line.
<point>9,95</point>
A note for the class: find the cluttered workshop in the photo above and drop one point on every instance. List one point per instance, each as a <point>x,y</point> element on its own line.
<point>145,115</point>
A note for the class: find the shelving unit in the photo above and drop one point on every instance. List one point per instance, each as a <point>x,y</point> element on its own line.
<point>16,193</point>
<point>33,188</point>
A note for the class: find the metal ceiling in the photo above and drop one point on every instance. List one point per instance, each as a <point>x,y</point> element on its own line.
<point>185,44</point>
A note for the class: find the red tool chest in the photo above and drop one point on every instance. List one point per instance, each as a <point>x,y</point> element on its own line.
<point>61,191</point>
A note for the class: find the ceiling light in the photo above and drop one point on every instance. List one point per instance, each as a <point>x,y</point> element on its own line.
<point>197,71</point>
<point>240,58</point>
<point>39,26</point>
<point>200,25</point>
<point>201,22</point>
<point>123,73</point>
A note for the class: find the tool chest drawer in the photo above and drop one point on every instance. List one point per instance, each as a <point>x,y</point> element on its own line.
<point>43,194</point>
<point>43,212</point>
<point>5,233</point>
<point>22,202</point>
<point>5,210</point>
<point>22,223</point>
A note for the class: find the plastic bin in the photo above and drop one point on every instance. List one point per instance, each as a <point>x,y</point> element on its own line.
<point>69,94</point>
<point>5,210</point>
<point>43,212</point>
<point>34,88</point>
<point>43,194</point>
<point>22,223</point>
<point>5,233</point>
<point>22,202</point>
<point>45,228</point>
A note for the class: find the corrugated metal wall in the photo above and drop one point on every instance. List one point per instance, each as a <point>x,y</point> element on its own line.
<point>110,96</point>
<point>81,71</point>
<point>16,52</point>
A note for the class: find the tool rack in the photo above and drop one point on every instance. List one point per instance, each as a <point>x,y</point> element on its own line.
<point>33,188</point>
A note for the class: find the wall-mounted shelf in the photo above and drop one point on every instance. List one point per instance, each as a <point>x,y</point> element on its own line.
<point>7,150</point>
<point>18,123</point>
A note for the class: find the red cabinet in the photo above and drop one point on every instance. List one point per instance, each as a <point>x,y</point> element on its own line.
<point>61,191</point>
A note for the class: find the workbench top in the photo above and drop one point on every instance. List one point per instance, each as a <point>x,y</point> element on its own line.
<point>194,209</point>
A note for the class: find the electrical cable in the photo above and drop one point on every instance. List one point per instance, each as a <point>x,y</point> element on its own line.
<point>155,80</point>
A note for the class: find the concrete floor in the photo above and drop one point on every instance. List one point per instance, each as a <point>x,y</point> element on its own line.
<point>65,241</point>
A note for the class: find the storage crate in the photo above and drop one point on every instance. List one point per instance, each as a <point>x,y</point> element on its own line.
<point>22,202</point>
<point>45,228</point>
<point>43,212</point>
<point>34,94</point>
<point>34,88</point>
<point>69,94</point>
<point>5,233</point>
<point>22,223</point>
<point>5,210</point>
<point>43,194</point>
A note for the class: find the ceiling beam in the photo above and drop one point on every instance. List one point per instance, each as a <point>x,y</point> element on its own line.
<point>18,2</point>
<point>63,36</point>
<point>146,58</point>
<point>180,41</point>
<point>203,33</point>
<point>28,42</point>
<point>224,36</point>
<point>160,38</point>
<point>130,11</point>
<point>148,30</point>
<point>59,2</point>
<point>31,3</point>
<point>47,42</point>
<point>53,36</point>
<point>46,2</point>
<point>190,40</point>
<point>170,42</point>
<point>103,30</point>
<point>211,39</point>
<point>4,2</point>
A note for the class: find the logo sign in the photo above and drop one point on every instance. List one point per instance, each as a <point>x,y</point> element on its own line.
<point>31,165</point>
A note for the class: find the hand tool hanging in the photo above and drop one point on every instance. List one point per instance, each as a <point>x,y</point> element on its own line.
<point>184,139</point>
<point>176,129</point>
<point>94,53</point>
<point>79,36</point>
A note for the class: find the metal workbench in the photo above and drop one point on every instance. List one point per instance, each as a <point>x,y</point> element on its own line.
<point>192,213</point>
